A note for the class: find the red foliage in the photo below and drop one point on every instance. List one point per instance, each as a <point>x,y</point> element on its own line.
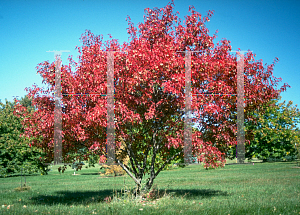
<point>151,58</point>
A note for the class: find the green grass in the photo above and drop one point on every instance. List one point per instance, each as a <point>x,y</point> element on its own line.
<point>262,188</point>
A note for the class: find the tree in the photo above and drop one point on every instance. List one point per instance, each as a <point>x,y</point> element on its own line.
<point>297,145</point>
<point>16,153</point>
<point>26,102</point>
<point>275,132</point>
<point>149,93</point>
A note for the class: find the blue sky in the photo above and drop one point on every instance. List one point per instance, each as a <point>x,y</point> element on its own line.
<point>30,28</point>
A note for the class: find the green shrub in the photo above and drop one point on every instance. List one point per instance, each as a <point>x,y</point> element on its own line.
<point>16,153</point>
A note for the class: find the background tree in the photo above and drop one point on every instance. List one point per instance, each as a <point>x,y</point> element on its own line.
<point>149,93</point>
<point>16,152</point>
<point>298,146</point>
<point>275,132</point>
<point>26,102</point>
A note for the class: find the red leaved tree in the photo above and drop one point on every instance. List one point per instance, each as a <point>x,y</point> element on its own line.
<point>149,74</point>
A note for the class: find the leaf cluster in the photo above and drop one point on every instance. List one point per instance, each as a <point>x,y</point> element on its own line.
<point>16,154</point>
<point>274,130</point>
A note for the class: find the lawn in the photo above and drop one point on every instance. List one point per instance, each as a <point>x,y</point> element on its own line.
<point>262,188</point>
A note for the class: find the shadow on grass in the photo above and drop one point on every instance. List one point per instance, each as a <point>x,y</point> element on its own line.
<point>95,173</point>
<point>195,193</point>
<point>283,162</point>
<point>277,162</point>
<point>71,198</point>
<point>19,174</point>
<point>87,197</point>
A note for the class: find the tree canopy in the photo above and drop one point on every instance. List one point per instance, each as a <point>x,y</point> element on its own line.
<point>149,74</point>
<point>275,132</point>
<point>16,152</point>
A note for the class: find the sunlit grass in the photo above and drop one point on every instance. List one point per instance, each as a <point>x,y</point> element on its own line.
<point>262,188</point>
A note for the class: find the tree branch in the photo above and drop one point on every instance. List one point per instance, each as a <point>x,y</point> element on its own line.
<point>126,170</point>
<point>163,166</point>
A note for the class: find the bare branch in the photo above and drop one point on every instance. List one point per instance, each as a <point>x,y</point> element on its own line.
<point>126,170</point>
<point>133,155</point>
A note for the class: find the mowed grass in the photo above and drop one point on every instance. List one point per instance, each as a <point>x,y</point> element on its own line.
<point>262,188</point>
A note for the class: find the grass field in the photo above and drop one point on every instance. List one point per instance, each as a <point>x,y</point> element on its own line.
<point>262,188</point>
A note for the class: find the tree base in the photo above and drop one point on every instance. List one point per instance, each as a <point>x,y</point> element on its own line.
<point>23,188</point>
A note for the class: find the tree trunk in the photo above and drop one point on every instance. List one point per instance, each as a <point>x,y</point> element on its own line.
<point>149,183</point>
<point>137,191</point>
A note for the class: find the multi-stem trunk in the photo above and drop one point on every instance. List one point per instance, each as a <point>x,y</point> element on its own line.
<point>138,168</point>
